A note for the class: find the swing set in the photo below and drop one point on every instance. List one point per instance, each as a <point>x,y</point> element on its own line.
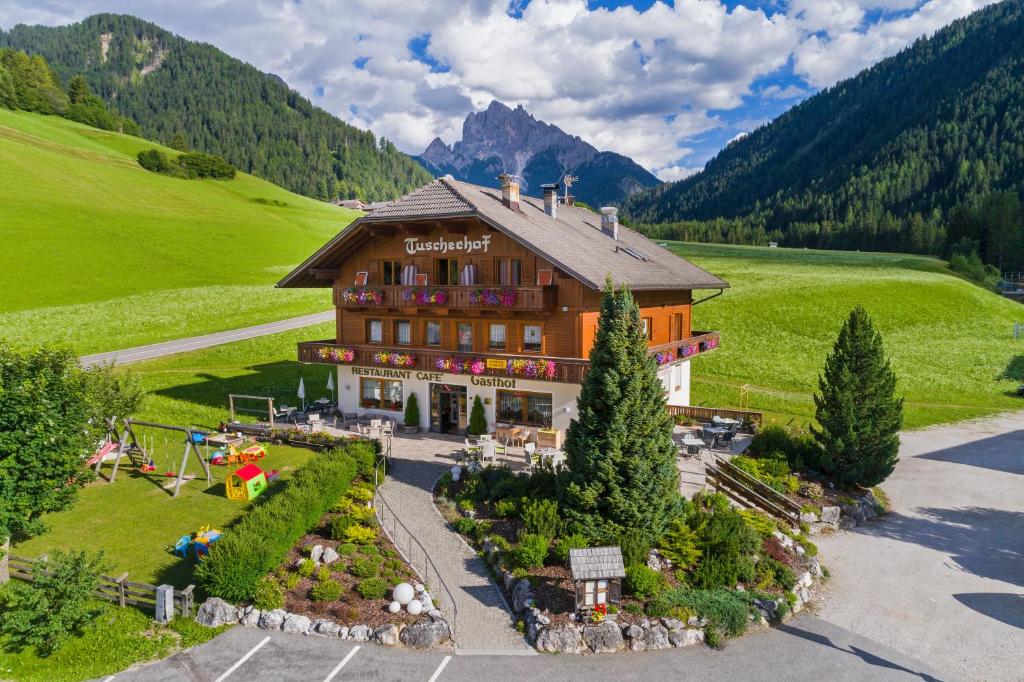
<point>128,446</point>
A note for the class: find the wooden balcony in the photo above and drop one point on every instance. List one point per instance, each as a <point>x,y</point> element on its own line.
<point>477,297</point>
<point>536,368</point>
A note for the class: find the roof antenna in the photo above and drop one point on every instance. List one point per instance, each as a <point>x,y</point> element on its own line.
<point>567,181</point>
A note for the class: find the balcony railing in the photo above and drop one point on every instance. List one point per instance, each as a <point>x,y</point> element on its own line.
<point>459,297</point>
<point>565,370</point>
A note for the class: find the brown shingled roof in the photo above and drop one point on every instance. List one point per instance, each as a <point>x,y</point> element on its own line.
<point>573,241</point>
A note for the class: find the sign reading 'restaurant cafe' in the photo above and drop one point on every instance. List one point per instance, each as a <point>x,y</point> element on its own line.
<point>413,245</point>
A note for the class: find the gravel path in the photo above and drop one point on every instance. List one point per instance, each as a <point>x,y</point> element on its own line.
<point>484,621</point>
<point>156,350</point>
<point>941,578</point>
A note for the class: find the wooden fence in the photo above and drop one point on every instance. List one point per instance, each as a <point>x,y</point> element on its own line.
<point>744,488</point>
<point>119,590</point>
<point>704,414</point>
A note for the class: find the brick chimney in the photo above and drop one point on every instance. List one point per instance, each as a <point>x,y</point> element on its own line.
<point>551,198</point>
<point>509,191</point>
<point>610,221</point>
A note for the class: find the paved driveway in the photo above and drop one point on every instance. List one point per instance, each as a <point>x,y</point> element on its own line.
<point>941,578</point>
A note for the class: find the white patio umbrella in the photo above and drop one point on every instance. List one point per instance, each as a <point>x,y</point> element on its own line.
<point>302,393</point>
<point>330,384</point>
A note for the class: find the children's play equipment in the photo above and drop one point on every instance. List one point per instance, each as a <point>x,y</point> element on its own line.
<point>232,455</point>
<point>246,484</point>
<point>266,409</point>
<point>199,543</point>
<point>128,446</point>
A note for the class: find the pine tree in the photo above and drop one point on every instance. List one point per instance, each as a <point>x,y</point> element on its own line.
<point>78,90</point>
<point>179,142</point>
<point>477,418</point>
<point>622,474</point>
<point>857,407</point>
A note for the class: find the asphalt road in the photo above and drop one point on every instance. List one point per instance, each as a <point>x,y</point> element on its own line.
<point>806,648</point>
<point>941,577</point>
<point>155,350</point>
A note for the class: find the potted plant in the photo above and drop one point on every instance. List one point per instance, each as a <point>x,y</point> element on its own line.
<point>412,415</point>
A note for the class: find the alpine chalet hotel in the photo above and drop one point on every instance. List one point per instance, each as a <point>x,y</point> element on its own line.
<point>457,291</point>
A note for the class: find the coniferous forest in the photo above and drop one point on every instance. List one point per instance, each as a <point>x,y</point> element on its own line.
<point>918,153</point>
<point>183,93</point>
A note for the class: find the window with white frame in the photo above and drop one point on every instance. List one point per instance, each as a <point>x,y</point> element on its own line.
<point>532,337</point>
<point>496,338</point>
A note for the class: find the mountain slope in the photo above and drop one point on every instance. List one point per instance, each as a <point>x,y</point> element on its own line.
<point>222,105</point>
<point>501,139</point>
<point>879,160</point>
<point>101,254</point>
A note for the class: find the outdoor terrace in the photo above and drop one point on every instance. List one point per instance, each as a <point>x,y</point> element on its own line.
<point>541,368</point>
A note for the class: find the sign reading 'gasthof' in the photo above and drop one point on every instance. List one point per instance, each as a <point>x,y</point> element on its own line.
<point>413,245</point>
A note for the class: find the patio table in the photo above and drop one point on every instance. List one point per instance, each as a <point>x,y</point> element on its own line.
<point>553,455</point>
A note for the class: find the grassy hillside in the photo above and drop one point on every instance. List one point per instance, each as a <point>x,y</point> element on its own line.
<point>950,341</point>
<point>102,254</point>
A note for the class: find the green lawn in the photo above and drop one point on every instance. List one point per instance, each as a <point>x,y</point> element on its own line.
<point>101,254</point>
<point>950,341</point>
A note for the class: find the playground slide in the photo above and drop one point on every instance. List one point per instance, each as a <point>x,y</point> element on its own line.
<point>106,453</point>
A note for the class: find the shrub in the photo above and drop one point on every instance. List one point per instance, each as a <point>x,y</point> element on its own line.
<point>635,548</point>
<point>762,524</point>
<point>412,410</point>
<point>725,610</point>
<point>155,161</point>
<point>364,567</point>
<point>519,573</point>
<point>679,544</point>
<point>643,582</point>
<point>268,595</point>
<point>200,165</point>
<point>540,517</point>
<point>372,588</point>
<point>328,590</point>
<point>809,547</point>
<point>291,581</point>
<point>466,505</point>
<point>531,550</point>
<point>812,490</point>
<point>324,573</point>
<point>501,543</point>
<point>359,534</point>
<point>560,552</point>
<point>346,549</point>
<point>340,524</point>
<point>776,573</point>
<point>360,493</point>
<point>57,604</point>
<point>369,550</point>
<point>727,543</point>
<point>394,565</point>
<point>632,608</point>
<point>306,568</point>
<point>464,526</point>
<point>260,540</point>
<point>505,509</point>
<point>477,418</point>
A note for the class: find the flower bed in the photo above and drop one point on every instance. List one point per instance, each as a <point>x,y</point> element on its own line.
<point>425,296</point>
<point>394,359</point>
<point>461,365</point>
<point>713,571</point>
<point>334,354</point>
<point>498,297</point>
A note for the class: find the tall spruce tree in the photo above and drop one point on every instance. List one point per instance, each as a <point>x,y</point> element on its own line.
<point>857,407</point>
<point>622,474</point>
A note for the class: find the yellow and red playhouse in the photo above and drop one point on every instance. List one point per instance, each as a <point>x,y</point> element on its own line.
<point>246,483</point>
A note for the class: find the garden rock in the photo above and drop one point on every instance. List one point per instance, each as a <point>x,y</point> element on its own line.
<point>324,628</point>
<point>425,634</point>
<point>329,556</point>
<point>216,612</point>
<point>830,515</point>
<point>535,622</point>
<point>656,637</point>
<point>672,623</point>
<point>783,538</point>
<point>604,637</point>
<point>386,635</point>
<point>654,560</point>
<point>251,617</point>
<point>816,568</point>
<point>804,579</point>
<point>686,637</point>
<point>563,639</point>
<point>272,620</point>
<point>635,634</point>
<point>804,594</point>
<point>808,517</point>
<point>316,553</point>
<point>522,595</point>
<point>359,633</point>
<point>296,624</point>
<point>342,632</point>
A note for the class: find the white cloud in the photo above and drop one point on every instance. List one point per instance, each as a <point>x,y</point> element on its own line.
<point>673,173</point>
<point>642,83</point>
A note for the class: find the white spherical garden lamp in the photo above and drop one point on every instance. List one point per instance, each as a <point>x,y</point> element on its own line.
<point>456,472</point>
<point>415,607</point>
<point>394,607</point>
<point>403,593</point>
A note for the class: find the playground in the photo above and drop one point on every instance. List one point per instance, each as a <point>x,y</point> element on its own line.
<point>136,519</point>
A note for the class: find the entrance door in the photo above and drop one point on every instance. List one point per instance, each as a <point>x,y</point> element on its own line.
<point>448,413</point>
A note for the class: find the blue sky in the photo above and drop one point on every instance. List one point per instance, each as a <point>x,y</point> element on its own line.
<point>667,83</point>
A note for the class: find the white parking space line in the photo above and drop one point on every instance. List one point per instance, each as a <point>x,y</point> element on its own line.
<point>242,660</point>
<point>337,668</point>
<point>440,669</point>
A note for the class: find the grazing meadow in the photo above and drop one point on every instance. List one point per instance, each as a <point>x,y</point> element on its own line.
<point>102,254</point>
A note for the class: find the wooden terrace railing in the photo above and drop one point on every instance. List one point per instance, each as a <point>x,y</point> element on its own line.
<point>473,297</point>
<point>565,370</point>
<point>741,486</point>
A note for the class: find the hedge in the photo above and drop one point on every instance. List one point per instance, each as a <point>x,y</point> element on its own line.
<point>259,541</point>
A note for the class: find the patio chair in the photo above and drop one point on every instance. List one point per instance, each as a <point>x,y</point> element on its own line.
<point>389,428</point>
<point>181,546</point>
<point>725,440</point>
<point>376,423</point>
<point>314,422</point>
